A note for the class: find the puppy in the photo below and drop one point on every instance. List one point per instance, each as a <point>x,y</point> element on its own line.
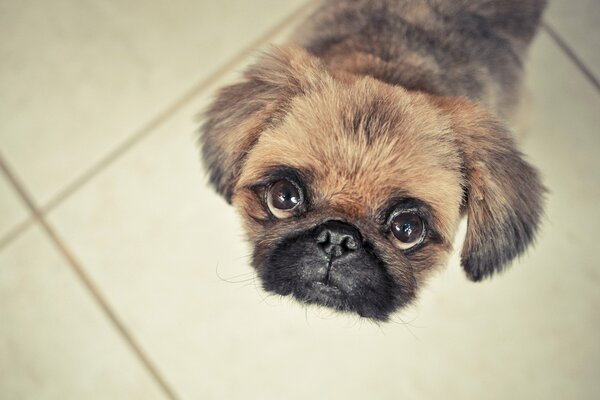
<point>353,153</point>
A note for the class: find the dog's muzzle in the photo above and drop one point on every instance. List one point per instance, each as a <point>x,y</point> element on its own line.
<point>333,266</point>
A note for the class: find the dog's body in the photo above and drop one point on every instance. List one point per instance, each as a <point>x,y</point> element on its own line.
<point>353,154</point>
<point>468,48</point>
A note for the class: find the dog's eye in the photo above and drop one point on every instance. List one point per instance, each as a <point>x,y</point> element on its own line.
<point>409,230</point>
<point>283,197</point>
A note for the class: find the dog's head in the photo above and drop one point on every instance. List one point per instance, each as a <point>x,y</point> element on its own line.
<point>351,190</point>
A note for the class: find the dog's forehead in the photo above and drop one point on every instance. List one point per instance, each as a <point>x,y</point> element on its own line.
<point>362,144</point>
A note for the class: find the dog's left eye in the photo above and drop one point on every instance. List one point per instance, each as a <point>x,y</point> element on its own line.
<point>408,229</point>
<point>283,197</point>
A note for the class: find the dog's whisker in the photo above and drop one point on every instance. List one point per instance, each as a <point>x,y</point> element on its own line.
<point>234,279</point>
<point>397,320</point>
<point>306,314</point>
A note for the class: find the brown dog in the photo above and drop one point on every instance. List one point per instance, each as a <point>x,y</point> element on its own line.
<point>353,154</point>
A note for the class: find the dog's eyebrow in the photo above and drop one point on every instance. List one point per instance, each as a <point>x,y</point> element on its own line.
<point>276,172</point>
<point>401,200</point>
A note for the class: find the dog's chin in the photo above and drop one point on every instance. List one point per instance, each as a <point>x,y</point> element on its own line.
<point>356,283</point>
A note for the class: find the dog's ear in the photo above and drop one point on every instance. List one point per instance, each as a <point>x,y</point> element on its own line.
<point>503,193</point>
<point>241,111</point>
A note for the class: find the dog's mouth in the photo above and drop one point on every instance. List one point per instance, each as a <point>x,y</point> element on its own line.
<point>327,287</point>
<point>356,282</point>
<point>323,294</point>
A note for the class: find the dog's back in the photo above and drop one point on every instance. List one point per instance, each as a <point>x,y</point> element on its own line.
<point>472,48</point>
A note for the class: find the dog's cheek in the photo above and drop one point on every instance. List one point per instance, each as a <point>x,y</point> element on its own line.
<point>253,213</point>
<point>397,266</point>
<point>411,271</point>
<point>263,249</point>
<point>428,260</point>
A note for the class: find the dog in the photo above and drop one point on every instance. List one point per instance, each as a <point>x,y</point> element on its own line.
<point>353,152</point>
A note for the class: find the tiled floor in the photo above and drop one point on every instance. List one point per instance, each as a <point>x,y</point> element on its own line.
<point>115,281</point>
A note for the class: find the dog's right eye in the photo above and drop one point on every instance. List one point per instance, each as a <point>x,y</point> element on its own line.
<point>283,198</point>
<point>408,229</point>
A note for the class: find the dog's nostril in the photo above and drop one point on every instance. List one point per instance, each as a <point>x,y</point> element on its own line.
<point>323,236</point>
<point>350,243</point>
<point>337,238</point>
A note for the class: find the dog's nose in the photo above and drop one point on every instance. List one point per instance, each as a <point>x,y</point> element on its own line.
<point>337,238</point>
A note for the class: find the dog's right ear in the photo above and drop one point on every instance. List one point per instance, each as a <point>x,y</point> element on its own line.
<point>504,194</point>
<point>241,111</point>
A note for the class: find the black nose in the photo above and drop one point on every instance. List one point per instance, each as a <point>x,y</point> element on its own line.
<point>337,238</point>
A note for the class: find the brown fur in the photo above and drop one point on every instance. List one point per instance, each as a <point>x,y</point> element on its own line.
<point>360,141</point>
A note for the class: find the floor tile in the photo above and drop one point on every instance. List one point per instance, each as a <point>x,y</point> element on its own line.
<point>78,77</point>
<point>170,256</point>
<point>54,341</point>
<point>12,210</point>
<point>578,23</point>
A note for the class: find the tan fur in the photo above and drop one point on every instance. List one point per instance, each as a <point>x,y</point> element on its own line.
<point>415,153</point>
<point>416,147</point>
<point>362,142</point>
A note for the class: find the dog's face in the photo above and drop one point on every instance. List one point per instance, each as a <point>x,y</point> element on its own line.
<point>351,190</point>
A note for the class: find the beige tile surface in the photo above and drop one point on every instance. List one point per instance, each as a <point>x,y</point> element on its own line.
<point>578,22</point>
<point>78,77</point>
<point>54,342</point>
<point>169,255</point>
<point>12,210</point>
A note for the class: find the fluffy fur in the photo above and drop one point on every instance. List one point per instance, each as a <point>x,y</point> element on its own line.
<point>378,103</point>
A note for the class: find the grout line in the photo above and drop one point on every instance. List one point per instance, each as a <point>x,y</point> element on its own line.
<point>16,231</point>
<point>38,214</point>
<point>77,267</point>
<point>183,100</point>
<point>571,54</point>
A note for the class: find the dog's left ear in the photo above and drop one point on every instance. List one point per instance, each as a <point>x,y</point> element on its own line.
<point>503,193</point>
<point>242,111</point>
